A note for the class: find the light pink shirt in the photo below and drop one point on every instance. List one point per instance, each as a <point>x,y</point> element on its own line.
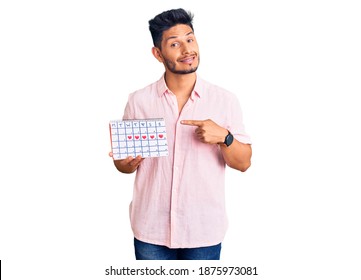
<point>179,200</point>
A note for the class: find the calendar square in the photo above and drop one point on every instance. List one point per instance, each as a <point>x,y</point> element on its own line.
<point>147,138</point>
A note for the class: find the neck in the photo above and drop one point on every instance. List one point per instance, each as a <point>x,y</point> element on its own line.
<point>180,84</point>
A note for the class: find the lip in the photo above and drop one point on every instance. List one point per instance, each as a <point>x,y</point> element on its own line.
<point>188,59</point>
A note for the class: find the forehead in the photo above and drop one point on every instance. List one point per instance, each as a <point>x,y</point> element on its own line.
<point>177,31</point>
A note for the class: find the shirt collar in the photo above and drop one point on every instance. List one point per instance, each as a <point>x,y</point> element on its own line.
<point>197,91</point>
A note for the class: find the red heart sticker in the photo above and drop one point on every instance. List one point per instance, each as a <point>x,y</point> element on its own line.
<point>130,137</point>
<point>136,137</point>
<point>160,135</point>
<point>144,136</point>
<point>152,136</point>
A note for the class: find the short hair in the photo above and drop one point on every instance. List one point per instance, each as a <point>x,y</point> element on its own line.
<point>165,21</point>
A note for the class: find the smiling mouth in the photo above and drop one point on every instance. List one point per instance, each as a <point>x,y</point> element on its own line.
<point>188,60</point>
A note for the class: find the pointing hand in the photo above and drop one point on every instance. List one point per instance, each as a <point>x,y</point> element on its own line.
<point>208,131</point>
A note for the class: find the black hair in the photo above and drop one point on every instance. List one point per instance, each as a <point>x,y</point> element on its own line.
<point>166,20</point>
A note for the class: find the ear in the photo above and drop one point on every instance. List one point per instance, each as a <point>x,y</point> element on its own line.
<point>157,54</point>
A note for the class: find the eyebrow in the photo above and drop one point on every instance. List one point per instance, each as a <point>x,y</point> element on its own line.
<point>174,37</point>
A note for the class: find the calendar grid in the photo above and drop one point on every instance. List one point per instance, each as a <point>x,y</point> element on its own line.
<point>145,137</point>
<point>157,137</point>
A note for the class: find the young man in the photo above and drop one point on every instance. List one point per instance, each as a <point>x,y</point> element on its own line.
<point>178,207</point>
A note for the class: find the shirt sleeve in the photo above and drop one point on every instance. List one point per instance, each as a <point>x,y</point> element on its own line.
<point>236,125</point>
<point>129,109</point>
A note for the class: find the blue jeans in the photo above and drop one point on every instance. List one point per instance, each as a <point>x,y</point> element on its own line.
<point>147,251</point>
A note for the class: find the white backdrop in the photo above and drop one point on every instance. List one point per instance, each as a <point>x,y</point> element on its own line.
<point>67,68</point>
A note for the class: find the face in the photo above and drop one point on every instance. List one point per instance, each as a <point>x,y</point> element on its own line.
<point>179,50</point>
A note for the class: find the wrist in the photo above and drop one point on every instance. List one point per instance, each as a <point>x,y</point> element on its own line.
<point>222,137</point>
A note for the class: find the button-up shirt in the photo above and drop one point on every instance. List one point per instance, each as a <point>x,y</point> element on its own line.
<point>179,200</point>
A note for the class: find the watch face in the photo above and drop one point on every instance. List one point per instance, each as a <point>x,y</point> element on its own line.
<point>229,139</point>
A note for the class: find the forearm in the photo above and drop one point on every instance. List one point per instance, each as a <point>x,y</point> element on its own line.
<point>237,155</point>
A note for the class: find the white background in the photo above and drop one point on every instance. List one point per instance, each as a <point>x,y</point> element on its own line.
<point>67,68</point>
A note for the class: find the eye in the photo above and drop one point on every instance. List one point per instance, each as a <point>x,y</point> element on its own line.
<point>175,45</point>
<point>190,40</point>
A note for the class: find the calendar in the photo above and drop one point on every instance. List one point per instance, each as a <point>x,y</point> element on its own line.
<point>146,138</point>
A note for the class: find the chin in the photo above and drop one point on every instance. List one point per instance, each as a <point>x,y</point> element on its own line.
<point>190,70</point>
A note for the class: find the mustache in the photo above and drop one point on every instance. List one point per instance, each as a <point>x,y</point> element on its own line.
<point>189,55</point>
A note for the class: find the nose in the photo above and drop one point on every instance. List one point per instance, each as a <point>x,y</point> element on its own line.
<point>186,49</point>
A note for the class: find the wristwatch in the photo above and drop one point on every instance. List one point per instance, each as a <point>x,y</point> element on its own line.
<point>229,139</point>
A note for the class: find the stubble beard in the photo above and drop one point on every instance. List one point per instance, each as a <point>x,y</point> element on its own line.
<point>171,66</point>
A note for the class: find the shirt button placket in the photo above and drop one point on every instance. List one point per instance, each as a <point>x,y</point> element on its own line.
<point>174,209</point>
<point>175,185</point>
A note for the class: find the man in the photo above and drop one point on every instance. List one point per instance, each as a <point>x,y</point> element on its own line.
<point>178,208</point>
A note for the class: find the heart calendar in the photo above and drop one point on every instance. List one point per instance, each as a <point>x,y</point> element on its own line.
<point>147,138</point>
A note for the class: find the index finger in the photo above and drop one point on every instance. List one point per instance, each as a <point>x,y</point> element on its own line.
<point>192,122</point>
